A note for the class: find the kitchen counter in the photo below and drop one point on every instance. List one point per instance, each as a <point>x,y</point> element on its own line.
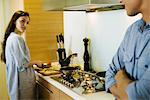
<point>93,96</point>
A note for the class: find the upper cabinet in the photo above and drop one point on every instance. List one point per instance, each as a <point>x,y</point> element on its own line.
<point>81,5</point>
<point>54,4</point>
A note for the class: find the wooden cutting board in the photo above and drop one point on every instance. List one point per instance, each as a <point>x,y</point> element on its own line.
<point>49,72</point>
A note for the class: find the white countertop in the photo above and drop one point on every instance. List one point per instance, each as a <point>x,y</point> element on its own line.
<point>93,96</point>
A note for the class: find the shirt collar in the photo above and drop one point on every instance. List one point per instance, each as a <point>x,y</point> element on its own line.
<point>142,25</point>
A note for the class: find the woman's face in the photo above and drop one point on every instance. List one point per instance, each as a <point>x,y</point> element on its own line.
<point>132,6</point>
<point>21,24</point>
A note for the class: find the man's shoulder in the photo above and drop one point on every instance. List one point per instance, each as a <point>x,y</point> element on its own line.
<point>132,28</point>
<point>136,23</point>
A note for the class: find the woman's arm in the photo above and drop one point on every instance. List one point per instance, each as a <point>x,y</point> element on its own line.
<point>35,62</point>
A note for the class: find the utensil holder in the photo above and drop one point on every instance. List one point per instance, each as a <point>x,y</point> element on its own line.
<point>61,55</point>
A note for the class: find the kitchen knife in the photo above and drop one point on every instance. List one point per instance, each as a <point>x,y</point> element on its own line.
<point>62,40</point>
<point>58,43</point>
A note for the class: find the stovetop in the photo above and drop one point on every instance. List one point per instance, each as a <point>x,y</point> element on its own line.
<point>82,82</point>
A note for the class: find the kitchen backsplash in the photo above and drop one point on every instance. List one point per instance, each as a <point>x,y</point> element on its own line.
<point>104,29</point>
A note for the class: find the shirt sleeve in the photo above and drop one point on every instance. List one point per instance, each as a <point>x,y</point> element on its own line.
<point>20,54</point>
<point>140,89</point>
<point>116,64</point>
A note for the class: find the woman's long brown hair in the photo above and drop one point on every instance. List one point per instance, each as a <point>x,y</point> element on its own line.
<point>11,28</point>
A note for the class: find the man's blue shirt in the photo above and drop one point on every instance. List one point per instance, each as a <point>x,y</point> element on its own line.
<point>133,55</point>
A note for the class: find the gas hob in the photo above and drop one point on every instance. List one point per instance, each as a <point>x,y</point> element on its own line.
<point>82,82</point>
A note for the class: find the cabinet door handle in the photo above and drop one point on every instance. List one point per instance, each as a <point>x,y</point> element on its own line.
<point>49,91</point>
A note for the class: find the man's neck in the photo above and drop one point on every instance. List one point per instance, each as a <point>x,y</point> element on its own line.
<point>146,11</point>
<point>146,18</point>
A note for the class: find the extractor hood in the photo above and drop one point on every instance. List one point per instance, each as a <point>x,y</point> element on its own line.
<point>80,5</point>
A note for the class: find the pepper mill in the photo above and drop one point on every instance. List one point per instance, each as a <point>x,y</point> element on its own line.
<point>86,55</point>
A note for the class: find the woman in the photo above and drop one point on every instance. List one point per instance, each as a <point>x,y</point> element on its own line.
<point>20,75</point>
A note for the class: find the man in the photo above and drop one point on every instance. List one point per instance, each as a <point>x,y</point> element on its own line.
<point>128,76</point>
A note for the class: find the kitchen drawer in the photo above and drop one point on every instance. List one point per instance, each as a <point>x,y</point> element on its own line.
<point>46,91</point>
<point>43,93</point>
<point>64,96</point>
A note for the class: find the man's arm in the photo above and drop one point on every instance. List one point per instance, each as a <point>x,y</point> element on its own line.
<point>115,66</point>
<point>127,89</point>
<point>114,91</point>
<point>140,89</point>
<point>117,63</point>
<point>119,88</point>
<point>122,82</point>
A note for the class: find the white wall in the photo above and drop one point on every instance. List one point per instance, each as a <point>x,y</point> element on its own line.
<point>7,9</point>
<point>104,29</point>
<point>74,31</point>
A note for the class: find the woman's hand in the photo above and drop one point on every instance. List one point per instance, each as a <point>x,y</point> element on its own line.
<point>37,62</point>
